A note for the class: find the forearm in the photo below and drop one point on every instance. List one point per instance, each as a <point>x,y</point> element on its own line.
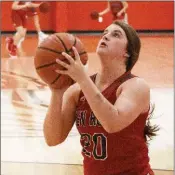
<point>104,12</point>
<point>123,10</point>
<point>54,122</point>
<point>35,5</point>
<point>103,110</point>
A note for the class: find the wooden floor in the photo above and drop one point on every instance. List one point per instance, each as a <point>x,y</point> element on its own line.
<point>50,169</point>
<point>25,98</point>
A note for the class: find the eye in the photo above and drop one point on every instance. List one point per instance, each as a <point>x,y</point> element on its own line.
<point>116,34</point>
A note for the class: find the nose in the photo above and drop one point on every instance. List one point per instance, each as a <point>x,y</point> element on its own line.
<point>106,38</point>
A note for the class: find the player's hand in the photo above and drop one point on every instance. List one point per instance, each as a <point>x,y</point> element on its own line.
<point>75,69</point>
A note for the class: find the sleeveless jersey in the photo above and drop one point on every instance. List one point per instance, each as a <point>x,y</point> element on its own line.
<point>121,153</point>
<point>115,7</point>
<point>21,12</point>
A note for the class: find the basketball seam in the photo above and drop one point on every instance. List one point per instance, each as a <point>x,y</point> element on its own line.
<point>66,50</point>
<point>75,41</point>
<point>56,79</point>
<point>51,50</point>
<point>52,63</point>
<point>45,65</point>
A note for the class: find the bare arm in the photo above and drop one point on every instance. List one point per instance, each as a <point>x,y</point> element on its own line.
<point>125,6</point>
<point>132,100</point>
<point>133,96</point>
<point>16,6</point>
<point>61,115</point>
<point>34,5</point>
<point>105,10</point>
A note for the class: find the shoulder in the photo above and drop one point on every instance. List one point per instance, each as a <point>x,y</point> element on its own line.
<point>137,89</point>
<point>135,83</point>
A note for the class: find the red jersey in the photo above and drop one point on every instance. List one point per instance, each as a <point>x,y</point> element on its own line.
<point>115,7</point>
<point>21,12</point>
<point>19,17</point>
<point>121,153</point>
<point>26,11</point>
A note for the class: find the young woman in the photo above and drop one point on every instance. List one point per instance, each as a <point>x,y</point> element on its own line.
<point>110,108</point>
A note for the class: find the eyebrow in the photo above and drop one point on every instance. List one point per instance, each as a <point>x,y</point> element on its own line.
<point>118,31</point>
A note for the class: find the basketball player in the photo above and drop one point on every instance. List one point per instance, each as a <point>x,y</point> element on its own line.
<point>110,108</point>
<point>20,12</point>
<point>118,10</point>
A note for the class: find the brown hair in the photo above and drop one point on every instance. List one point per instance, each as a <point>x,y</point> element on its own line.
<point>133,50</point>
<point>133,46</point>
<point>150,130</point>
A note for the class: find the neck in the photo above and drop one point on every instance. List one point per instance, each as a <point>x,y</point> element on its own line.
<point>109,72</point>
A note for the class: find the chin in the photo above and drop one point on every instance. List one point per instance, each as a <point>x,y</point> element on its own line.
<point>101,52</point>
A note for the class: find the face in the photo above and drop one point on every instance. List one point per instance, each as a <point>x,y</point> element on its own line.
<point>113,43</point>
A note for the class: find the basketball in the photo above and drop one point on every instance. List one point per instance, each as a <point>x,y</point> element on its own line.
<point>44,7</point>
<point>94,15</point>
<point>47,53</point>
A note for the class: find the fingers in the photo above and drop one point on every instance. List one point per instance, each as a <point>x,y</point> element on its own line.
<point>61,71</point>
<point>68,57</point>
<point>65,65</point>
<point>70,60</point>
<point>77,56</point>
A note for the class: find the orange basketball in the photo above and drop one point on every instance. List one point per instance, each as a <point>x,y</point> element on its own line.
<point>44,7</point>
<point>47,53</point>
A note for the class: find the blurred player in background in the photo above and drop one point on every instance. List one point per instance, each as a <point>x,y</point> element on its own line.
<point>118,10</point>
<point>21,11</point>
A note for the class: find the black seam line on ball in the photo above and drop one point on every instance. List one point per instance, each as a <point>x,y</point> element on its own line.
<point>66,50</point>
<point>56,79</point>
<point>75,41</point>
<point>51,50</point>
<point>46,65</point>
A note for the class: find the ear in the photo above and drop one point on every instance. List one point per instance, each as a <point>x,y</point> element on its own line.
<point>126,55</point>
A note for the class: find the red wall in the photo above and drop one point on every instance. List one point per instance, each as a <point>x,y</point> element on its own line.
<point>73,16</point>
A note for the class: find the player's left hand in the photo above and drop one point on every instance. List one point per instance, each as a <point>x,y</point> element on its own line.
<point>75,69</point>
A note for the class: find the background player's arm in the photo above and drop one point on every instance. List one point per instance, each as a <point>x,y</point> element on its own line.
<point>61,115</point>
<point>34,5</point>
<point>132,100</point>
<point>16,6</point>
<point>125,6</point>
<point>105,10</point>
